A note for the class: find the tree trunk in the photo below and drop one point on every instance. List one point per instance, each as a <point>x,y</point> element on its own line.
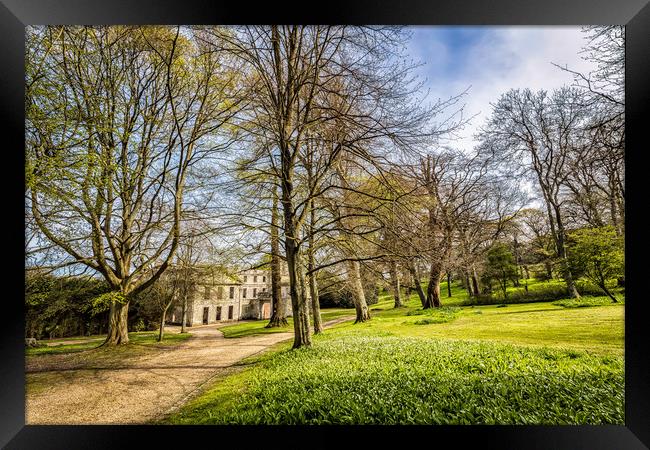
<point>118,332</point>
<point>354,278</point>
<point>433,290</point>
<point>475,285</point>
<point>468,285</point>
<point>561,249</point>
<point>448,284</point>
<point>407,289</point>
<point>302,331</point>
<point>515,280</point>
<point>161,332</point>
<point>315,305</point>
<point>184,313</point>
<point>311,264</point>
<point>394,280</point>
<point>278,310</point>
<point>613,207</point>
<point>549,269</point>
<point>416,282</point>
<point>606,291</point>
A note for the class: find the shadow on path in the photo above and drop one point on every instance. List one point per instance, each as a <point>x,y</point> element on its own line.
<point>74,389</point>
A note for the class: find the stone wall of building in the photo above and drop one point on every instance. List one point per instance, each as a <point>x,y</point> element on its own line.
<point>248,294</point>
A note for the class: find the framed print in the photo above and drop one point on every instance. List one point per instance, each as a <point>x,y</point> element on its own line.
<point>397,221</point>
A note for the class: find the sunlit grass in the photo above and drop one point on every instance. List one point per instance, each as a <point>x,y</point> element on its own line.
<point>534,363</point>
<point>141,338</point>
<point>256,327</point>
<point>366,377</point>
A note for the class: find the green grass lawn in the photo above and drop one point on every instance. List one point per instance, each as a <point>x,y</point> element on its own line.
<point>594,329</point>
<point>258,326</point>
<point>535,363</point>
<point>148,338</point>
<point>364,378</point>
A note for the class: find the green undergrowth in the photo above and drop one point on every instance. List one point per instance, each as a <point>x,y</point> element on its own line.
<point>435,315</point>
<point>147,338</point>
<point>584,302</point>
<point>370,377</point>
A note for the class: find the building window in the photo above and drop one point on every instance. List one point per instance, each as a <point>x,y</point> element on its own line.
<point>206,293</point>
<point>243,293</point>
<point>254,293</point>
<point>263,289</point>
<point>245,278</point>
<point>220,292</point>
<point>255,279</point>
<point>263,279</point>
<point>232,292</point>
<point>218,312</point>
<point>230,311</point>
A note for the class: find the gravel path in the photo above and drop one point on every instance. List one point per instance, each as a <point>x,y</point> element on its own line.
<point>143,389</point>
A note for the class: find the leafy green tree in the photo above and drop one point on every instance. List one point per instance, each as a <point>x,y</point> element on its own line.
<point>500,266</point>
<point>63,306</point>
<point>597,254</point>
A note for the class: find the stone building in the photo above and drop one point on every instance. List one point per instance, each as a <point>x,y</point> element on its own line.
<point>218,296</point>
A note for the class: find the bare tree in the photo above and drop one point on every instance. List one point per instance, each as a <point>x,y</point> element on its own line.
<point>600,168</point>
<point>117,119</point>
<point>327,89</point>
<point>539,133</point>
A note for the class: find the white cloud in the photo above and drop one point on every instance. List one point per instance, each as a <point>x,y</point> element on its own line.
<point>501,59</point>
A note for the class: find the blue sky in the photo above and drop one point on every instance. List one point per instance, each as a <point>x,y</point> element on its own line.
<point>491,60</point>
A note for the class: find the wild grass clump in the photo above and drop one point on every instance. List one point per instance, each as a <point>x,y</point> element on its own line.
<point>352,379</point>
<point>584,302</point>
<point>435,315</point>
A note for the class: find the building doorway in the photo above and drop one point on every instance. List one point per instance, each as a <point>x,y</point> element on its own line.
<point>230,311</point>
<point>206,311</point>
<point>266,311</point>
<point>218,312</point>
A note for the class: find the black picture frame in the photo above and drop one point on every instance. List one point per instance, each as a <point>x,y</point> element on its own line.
<point>15,14</point>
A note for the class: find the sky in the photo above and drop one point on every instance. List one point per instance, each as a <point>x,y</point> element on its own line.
<point>491,60</point>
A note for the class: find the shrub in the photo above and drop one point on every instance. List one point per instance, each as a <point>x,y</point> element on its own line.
<point>543,292</point>
<point>584,302</point>
<point>539,272</point>
<point>62,306</point>
<point>342,298</point>
<point>435,315</point>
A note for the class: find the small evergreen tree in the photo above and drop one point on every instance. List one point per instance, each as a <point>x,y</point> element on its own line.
<point>500,266</point>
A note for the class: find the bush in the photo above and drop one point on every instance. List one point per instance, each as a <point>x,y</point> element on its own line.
<point>342,298</point>
<point>57,307</point>
<point>539,272</point>
<point>62,306</point>
<point>435,315</point>
<point>543,292</point>
<point>585,302</point>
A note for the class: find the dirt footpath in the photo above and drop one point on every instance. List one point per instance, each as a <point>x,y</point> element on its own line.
<point>143,389</point>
